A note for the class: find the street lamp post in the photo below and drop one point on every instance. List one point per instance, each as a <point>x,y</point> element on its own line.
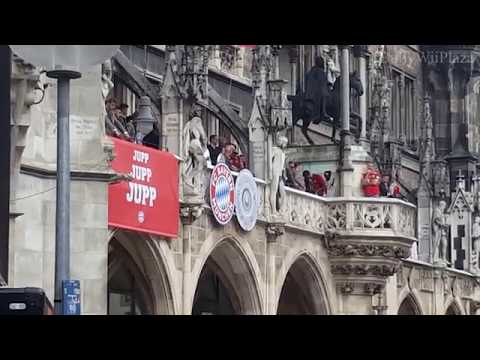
<point>63,63</point>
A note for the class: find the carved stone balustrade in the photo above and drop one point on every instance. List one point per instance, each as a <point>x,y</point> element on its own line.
<point>372,236</point>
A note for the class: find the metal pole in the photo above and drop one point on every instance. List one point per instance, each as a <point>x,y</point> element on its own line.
<point>62,215</point>
<point>62,226</point>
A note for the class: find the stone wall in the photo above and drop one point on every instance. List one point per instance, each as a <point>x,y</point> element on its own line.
<point>32,246</point>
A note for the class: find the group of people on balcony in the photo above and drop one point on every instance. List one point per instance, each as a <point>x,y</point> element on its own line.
<point>121,125</point>
<point>219,151</point>
<point>313,183</point>
<point>376,185</point>
<point>117,122</point>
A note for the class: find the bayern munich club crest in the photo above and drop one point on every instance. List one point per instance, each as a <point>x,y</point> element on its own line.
<point>222,194</point>
<point>246,200</point>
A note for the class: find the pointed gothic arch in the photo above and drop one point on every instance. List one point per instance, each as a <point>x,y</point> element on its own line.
<point>303,290</point>
<point>138,276</point>
<point>454,309</point>
<point>227,283</point>
<point>410,306</point>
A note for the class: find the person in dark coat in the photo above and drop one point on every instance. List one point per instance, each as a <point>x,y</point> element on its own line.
<point>308,181</point>
<point>385,186</point>
<point>214,149</point>
<point>152,139</point>
<point>316,92</point>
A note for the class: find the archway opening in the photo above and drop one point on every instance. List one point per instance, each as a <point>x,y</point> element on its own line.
<point>137,281</point>
<point>453,310</point>
<point>226,285</point>
<point>408,307</point>
<point>302,291</point>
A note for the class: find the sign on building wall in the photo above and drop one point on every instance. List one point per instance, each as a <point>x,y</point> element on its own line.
<point>246,200</point>
<point>222,194</point>
<point>71,297</point>
<point>150,202</point>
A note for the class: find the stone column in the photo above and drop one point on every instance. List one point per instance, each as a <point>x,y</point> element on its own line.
<point>361,51</point>
<point>346,167</point>
<point>293,56</point>
<point>189,213</point>
<point>301,64</point>
<point>273,232</point>
<point>345,88</point>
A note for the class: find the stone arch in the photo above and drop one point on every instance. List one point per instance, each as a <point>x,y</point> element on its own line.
<point>303,269</point>
<point>454,308</point>
<point>147,260</point>
<point>410,305</point>
<point>238,270</point>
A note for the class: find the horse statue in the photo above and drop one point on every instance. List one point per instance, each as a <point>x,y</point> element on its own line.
<point>330,107</point>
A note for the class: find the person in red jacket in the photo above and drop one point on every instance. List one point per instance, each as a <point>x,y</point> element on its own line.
<point>319,185</point>
<point>371,182</point>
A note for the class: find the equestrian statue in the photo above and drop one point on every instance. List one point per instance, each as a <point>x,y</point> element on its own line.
<point>321,101</point>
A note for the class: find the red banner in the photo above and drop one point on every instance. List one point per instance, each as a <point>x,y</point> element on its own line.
<point>150,202</point>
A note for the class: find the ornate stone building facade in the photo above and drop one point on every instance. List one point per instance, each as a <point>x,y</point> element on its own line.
<point>409,110</point>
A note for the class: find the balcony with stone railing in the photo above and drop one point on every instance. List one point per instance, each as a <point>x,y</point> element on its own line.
<point>366,238</point>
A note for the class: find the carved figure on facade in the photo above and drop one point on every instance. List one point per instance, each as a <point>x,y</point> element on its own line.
<point>476,244</point>
<point>440,233</point>
<point>332,68</point>
<point>428,152</point>
<point>277,189</point>
<point>107,76</point>
<point>195,154</point>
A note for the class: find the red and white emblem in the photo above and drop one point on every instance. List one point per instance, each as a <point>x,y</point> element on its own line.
<point>222,194</point>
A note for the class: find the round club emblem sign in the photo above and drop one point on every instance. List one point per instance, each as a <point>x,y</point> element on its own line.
<point>222,194</point>
<point>246,200</point>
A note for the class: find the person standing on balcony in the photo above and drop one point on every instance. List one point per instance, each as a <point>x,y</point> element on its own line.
<point>330,183</point>
<point>308,181</point>
<point>385,186</point>
<point>319,185</point>
<point>214,149</point>
<point>113,126</point>
<point>226,157</point>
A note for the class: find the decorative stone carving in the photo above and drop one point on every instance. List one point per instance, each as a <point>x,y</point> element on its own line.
<point>194,71</point>
<point>194,150</point>
<point>474,307</point>
<point>336,216</point>
<point>277,186</point>
<point>274,230</point>
<point>384,270</point>
<point>364,288</point>
<point>426,280</point>
<point>475,257</point>
<point>107,76</point>
<point>439,232</point>
<point>189,213</point>
<point>440,177</point>
<point>397,252</point>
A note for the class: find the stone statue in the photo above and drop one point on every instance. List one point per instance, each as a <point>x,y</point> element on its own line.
<point>476,243</point>
<point>107,75</point>
<point>317,92</point>
<point>194,152</point>
<point>440,227</point>
<point>277,190</point>
<point>333,70</point>
<point>321,102</point>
